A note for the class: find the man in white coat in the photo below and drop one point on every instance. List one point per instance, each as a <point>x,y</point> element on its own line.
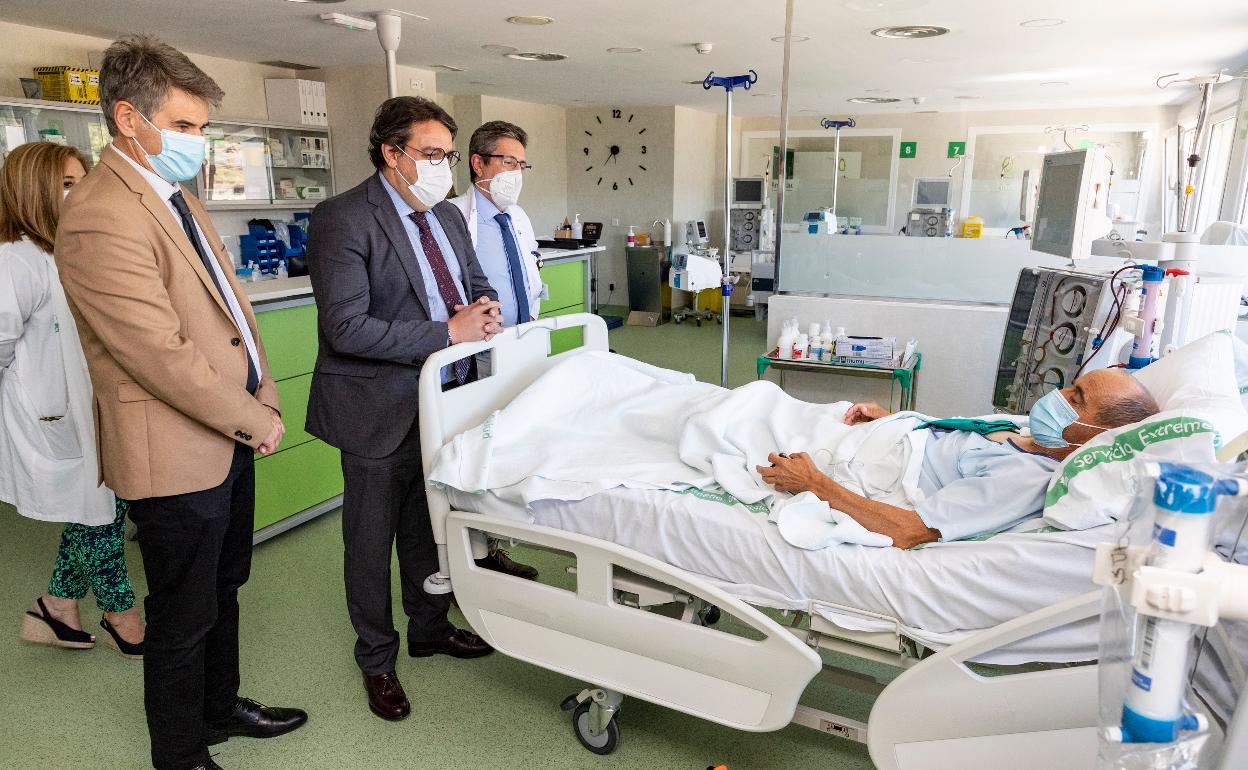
<point>501,232</point>
<point>506,248</point>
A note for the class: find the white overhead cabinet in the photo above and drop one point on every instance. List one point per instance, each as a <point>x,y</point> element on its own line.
<point>296,101</point>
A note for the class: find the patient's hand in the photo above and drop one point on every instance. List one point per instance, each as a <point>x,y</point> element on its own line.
<point>865,412</point>
<point>795,473</point>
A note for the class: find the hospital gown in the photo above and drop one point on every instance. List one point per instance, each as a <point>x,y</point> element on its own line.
<point>973,485</point>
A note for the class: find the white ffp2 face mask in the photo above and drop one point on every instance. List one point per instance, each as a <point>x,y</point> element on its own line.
<point>505,188</point>
<point>433,181</point>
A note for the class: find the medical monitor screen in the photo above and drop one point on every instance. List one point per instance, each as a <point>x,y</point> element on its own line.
<point>748,190</point>
<point>932,193</point>
<point>1058,207</point>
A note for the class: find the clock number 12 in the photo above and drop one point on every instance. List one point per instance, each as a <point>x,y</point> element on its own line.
<point>616,114</point>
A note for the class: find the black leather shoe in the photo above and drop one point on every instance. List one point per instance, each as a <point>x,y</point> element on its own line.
<point>386,698</point>
<point>461,644</point>
<point>253,720</point>
<point>500,561</point>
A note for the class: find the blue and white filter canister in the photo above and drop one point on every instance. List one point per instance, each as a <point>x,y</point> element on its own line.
<point>1184,500</point>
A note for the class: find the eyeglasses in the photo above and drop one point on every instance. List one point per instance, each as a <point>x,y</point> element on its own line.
<point>510,162</point>
<point>437,155</point>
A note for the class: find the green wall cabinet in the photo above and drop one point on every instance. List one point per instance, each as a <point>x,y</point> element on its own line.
<point>565,286</point>
<point>304,472</point>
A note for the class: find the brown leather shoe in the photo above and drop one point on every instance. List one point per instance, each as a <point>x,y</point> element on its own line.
<point>461,644</point>
<point>500,561</point>
<point>386,698</point>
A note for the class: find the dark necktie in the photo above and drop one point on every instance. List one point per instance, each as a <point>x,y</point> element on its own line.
<point>188,225</point>
<point>442,276</point>
<point>516,267</point>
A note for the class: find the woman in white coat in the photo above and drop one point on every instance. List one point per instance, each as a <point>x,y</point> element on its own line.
<point>48,465</point>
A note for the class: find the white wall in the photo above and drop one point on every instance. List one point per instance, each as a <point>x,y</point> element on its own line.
<point>27,47</point>
<point>648,198</point>
<point>698,172</point>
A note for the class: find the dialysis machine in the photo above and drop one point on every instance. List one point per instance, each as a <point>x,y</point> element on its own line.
<point>931,215</point>
<point>1066,321</point>
<point>752,245</point>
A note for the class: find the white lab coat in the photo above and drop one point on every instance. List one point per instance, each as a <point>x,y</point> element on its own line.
<point>526,240</point>
<point>47,466</point>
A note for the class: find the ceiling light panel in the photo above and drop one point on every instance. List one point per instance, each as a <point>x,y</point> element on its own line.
<point>536,56</point>
<point>624,49</point>
<point>873,100</point>
<point>1041,23</point>
<point>530,21</point>
<point>910,32</point>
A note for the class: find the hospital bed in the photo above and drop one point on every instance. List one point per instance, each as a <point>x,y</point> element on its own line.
<point>942,711</point>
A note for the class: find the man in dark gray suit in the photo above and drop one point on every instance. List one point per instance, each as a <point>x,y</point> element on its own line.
<point>395,279</point>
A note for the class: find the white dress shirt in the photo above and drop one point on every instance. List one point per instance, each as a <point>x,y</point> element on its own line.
<point>166,190</point>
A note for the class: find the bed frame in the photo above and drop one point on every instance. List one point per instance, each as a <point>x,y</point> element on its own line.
<point>938,713</point>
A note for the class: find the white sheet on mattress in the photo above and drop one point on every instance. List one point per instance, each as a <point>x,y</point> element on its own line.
<point>940,593</point>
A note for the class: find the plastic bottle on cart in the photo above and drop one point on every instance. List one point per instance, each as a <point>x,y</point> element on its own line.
<point>784,346</point>
<point>842,341</point>
<point>817,347</point>
<point>801,348</point>
<point>1184,501</point>
<point>632,235</point>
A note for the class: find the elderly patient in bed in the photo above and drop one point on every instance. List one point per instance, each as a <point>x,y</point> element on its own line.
<point>976,483</point>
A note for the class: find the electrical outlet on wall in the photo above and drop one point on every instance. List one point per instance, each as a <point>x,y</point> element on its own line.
<point>615,222</point>
<point>417,85</point>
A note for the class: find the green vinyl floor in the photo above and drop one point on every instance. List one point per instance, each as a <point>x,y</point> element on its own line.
<point>84,709</point>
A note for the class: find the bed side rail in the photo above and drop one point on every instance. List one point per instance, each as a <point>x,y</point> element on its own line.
<point>733,680</point>
<point>963,712</point>
<point>518,356</point>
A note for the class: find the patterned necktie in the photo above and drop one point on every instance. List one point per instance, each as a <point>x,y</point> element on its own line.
<point>515,266</point>
<point>441,276</point>
<point>188,225</point>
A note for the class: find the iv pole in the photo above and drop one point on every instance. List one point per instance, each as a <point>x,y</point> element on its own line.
<point>825,124</point>
<point>728,84</point>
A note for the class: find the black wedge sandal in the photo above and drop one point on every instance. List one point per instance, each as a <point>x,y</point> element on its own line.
<point>131,650</point>
<point>45,629</point>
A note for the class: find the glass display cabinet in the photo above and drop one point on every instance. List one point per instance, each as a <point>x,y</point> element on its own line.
<point>30,120</point>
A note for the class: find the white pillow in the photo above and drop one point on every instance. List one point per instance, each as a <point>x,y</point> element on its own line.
<point>1199,395</point>
<point>1241,368</point>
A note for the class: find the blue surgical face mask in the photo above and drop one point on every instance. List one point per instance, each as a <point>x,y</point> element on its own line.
<point>181,155</point>
<point>1050,417</point>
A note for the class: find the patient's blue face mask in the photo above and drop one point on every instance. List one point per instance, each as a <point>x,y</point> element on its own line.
<point>181,155</point>
<point>1050,417</point>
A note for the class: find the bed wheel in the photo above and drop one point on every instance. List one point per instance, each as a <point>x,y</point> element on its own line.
<point>602,743</point>
<point>711,615</point>
<point>569,703</point>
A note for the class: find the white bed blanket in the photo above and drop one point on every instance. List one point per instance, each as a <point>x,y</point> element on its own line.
<point>599,421</point>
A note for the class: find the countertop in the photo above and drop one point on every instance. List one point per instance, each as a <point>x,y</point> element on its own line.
<point>275,289</point>
<point>555,256</point>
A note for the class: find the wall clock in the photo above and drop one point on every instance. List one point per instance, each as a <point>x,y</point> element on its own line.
<point>615,150</point>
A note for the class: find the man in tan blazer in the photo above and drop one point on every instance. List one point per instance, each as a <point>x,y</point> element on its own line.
<point>183,395</point>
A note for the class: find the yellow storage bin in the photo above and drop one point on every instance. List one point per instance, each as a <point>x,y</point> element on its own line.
<point>973,227</point>
<point>69,84</point>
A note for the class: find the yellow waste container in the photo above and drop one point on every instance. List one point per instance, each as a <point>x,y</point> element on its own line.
<point>972,227</point>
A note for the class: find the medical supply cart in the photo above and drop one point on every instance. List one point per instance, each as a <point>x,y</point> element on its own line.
<point>906,375</point>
